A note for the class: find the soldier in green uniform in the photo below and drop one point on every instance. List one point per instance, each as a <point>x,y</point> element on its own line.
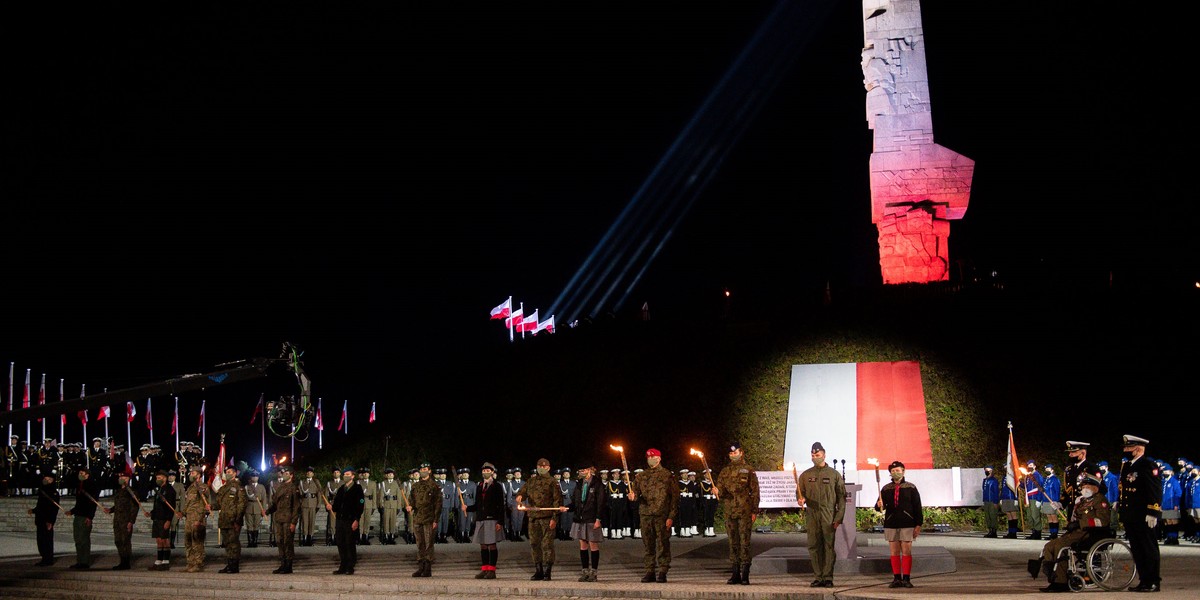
<point>541,492</point>
<point>310,492</point>
<point>822,493</point>
<point>285,511</point>
<point>331,489</point>
<point>424,509</point>
<point>657,495</point>
<point>256,508</point>
<point>195,509</point>
<point>231,501</point>
<point>737,489</point>
<point>370,503</point>
<point>124,512</point>
<point>1090,518</point>
<point>389,506</point>
<point>161,512</point>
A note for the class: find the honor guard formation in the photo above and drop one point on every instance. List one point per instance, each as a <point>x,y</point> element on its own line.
<point>1140,500</point>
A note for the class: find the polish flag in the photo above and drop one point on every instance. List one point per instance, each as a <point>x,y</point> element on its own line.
<point>530,323</point>
<point>149,418</point>
<point>858,411</point>
<point>175,419</point>
<point>502,311</point>
<point>547,326</point>
<point>130,413</point>
<point>1014,463</point>
<point>515,320</point>
<point>42,394</point>
<point>200,427</point>
<point>343,422</point>
<point>25,400</point>
<point>218,481</point>
<point>320,423</point>
<point>105,411</point>
<point>371,419</point>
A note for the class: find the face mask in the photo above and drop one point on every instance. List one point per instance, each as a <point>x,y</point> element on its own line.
<point>735,457</point>
<point>348,479</point>
<point>228,477</point>
<point>543,470</point>
<point>897,477</point>
<point>1074,460</point>
<point>653,461</point>
<point>1128,454</point>
<point>1087,492</point>
<point>391,477</point>
<point>820,462</point>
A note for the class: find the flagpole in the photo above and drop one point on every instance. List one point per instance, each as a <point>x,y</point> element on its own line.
<point>320,430</point>
<point>175,420</point>
<point>10,395</point>
<point>62,420</point>
<point>262,462</point>
<point>41,401</point>
<point>203,429</point>
<point>149,421</point>
<point>25,404</point>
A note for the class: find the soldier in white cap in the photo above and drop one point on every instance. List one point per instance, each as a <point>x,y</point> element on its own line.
<point>1141,507</point>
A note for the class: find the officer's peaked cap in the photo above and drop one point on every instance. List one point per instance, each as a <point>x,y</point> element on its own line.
<point>488,465</point>
<point>1091,480</point>
<point>389,470</point>
<point>1133,440</point>
<point>1103,463</point>
<point>1073,446</point>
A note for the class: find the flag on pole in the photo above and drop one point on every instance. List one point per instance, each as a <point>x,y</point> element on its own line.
<point>25,401</point>
<point>42,394</point>
<point>529,323</point>
<point>175,419</point>
<point>1014,464</point>
<point>320,423</point>
<point>130,413</point>
<point>62,418</point>
<point>547,326</point>
<point>502,311</point>
<point>200,428</point>
<point>104,412</point>
<point>83,416</point>
<point>372,417</point>
<point>149,417</point>
<point>218,480</point>
<point>342,423</point>
<point>258,408</point>
<point>515,320</point>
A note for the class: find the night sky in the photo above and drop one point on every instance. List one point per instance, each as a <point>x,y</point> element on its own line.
<point>188,186</point>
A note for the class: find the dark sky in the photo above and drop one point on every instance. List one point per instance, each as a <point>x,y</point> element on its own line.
<point>187,186</point>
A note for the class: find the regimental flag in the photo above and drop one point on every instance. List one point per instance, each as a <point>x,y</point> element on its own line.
<point>516,319</point>
<point>371,419</point>
<point>149,417</point>
<point>530,323</point>
<point>42,394</point>
<point>200,428</point>
<point>320,423</point>
<point>856,411</point>
<point>258,408</point>
<point>1014,464</point>
<point>502,311</point>
<point>218,480</point>
<point>547,326</point>
<point>130,413</point>
<point>343,423</point>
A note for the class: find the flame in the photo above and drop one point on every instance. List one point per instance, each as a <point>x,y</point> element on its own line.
<point>790,466</point>
<point>283,459</point>
<point>617,448</point>
<point>697,452</point>
<point>873,461</point>
<point>1023,471</point>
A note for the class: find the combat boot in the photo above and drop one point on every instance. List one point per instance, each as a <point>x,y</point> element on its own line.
<point>737,574</point>
<point>990,534</point>
<point>420,572</point>
<point>745,573</point>
<point>227,568</point>
<point>539,574</point>
<point>235,566</point>
<point>286,568</point>
<point>549,568</point>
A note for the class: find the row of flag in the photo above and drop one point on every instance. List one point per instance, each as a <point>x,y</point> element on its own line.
<point>517,321</point>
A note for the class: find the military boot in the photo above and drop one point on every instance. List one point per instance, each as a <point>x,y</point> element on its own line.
<point>539,574</point>
<point>745,573</point>
<point>549,568</point>
<point>420,572</point>
<point>235,566</point>
<point>737,574</point>
<point>227,568</point>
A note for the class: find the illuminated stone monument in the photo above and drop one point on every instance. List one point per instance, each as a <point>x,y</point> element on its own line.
<point>917,186</point>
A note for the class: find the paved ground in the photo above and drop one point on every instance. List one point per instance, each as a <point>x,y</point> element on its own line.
<point>994,568</point>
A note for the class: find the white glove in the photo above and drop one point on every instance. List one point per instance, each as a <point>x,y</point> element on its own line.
<point>1151,521</point>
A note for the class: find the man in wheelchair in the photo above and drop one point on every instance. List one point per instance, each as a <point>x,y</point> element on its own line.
<point>1089,523</point>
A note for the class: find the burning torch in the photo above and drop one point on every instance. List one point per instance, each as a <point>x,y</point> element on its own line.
<point>625,467</point>
<point>878,491</point>
<point>707,472</point>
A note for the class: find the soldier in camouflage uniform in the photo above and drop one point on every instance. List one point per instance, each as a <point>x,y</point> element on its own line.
<point>822,493</point>
<point>424,509</point>
<point>231,501</point>
<point>658,496</point>
<point>285,508</point>
<point>737,488</point>
<point>541,492</point>
<point>195,509</point>
<point>124,512</point>
<point>331,488</point>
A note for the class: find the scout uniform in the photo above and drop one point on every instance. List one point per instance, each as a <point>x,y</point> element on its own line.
<point>426,506</point>
<point>124,512</point>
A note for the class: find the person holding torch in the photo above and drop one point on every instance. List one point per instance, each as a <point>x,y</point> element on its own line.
<point>902,519</point>
<point>737,489</point>
<point>658,494</point>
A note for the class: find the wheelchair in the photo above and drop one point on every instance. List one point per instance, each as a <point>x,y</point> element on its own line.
<point>1099,561</point>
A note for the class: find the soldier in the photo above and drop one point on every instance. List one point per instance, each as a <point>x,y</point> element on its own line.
<point>124,512</point>
<point>991,501</point>
<point>821,492</point>
<point>516,516</point>
<point>448,503</point>
<point>74,458</point>
<point>310,492</point>
<point>567,485</point>
<point>1090,518</point>
<point>47,458</point>
<point>195,511</point>
<point>737,487</point>
<point>424,510</point>
<point>83,513</point>
<point>370,503</point>
<point>1051,496</point>
<point>464,519</point>
<point>256,508</point>
<point>1077,466</point>
<point>414,475</point>
<point>543,498</point>
<point>347,510</point>
<point>45,514</point>
<point>331,488</point>
<point>68,479</point>
<point>1172,492</point>
<point>658,494</point>
<point>617,491</point>
<point>692,500</point>
<point>1030,483</point>
<point>143,474</point>
<point>1141,507</point>
<point>487,508</point>
<point>389,504</point>
<point>285,506</point>
<point>173,481</point>
<point>903,516</point>
<point>162,512</point>
<point>708,505</point>
<point>231,501</point>
<point>588,502</point>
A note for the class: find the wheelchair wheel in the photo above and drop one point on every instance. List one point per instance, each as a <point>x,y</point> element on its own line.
<point>1076,584</point>
<point>1110,564</point>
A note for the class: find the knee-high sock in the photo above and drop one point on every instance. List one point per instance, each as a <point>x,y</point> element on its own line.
<point>906,565</point>
<point>484,554</point>
<point>595,559</point>
<point>895,564</point>
<point>1012,525</point>
<point>583,559</point>
<point>493,554</point>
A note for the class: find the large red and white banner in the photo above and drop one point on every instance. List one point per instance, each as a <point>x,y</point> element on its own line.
<point>858,411</point>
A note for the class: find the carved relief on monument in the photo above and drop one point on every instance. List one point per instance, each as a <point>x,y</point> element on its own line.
<point>917,186</point>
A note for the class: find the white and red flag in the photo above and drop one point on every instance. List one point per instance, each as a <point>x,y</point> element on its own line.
<point>502,311</point>
<point>530,323</point>
<point>130,412</point>
<point>175,419</point>
<point>62,419</point>
<point>859,410</point>
<point>258,408</point>
<point>218,480</point>
<point>149,417</point>
<point>82,416</point>
<point>371,419</point>
<point>1014,464</point>
<point>42,394</point>
<point>320,423</point>
<point>343,422</point>
<point>104,413</point>
<point>200,427</point>
<point>514,321</point>
<point>25,401</point>
<point>547,326</point>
